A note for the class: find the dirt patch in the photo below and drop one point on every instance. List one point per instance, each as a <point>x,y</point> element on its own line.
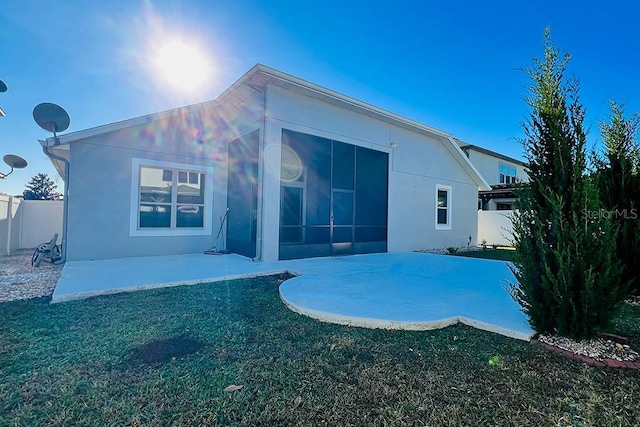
<point>163,350</point>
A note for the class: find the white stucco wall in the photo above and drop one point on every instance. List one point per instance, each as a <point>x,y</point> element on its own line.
<point>101,175</point>
<point>100,188</point>
<point>416,165</point>
<point>489,167</point>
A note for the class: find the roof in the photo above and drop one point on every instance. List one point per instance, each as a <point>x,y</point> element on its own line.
<point>261,76</point>
<point>465,146</point>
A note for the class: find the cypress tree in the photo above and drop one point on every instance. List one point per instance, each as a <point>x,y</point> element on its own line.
<point>618,175</point>
<point>567,280</point>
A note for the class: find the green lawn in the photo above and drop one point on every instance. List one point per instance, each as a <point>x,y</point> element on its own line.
<point>497,254</point>
<point>107,361</point>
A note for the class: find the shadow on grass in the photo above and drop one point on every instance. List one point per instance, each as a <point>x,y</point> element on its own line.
<point>163,350</point>
<point>495,254</point>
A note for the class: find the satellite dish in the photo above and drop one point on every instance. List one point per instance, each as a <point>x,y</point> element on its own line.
<point>51,117</point>
<point>15,162</point>
<point>3,88</point>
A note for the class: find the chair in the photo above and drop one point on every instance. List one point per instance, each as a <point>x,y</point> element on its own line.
<point>49,252</point>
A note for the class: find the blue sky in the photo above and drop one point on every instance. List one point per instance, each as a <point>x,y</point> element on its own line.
<point>454,65</point>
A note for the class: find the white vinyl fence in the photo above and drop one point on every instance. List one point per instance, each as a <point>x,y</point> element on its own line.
<point>495,227</point>
<point>27,223</point>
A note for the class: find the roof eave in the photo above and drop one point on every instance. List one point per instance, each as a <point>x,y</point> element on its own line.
<point>270,75</point>
<point>491,153</point>
<point>111,127</point>
<point>57,164</point>
<point>453,147</point>
<point>259,75</point>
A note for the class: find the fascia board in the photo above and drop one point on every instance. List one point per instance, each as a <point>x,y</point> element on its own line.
<point>459,155</point>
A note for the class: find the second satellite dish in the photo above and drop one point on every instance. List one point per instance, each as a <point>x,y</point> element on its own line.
<point>14,162</point>
<point>51,117</point>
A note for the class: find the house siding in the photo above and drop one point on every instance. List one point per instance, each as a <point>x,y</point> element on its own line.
<point>101,173</point>
<point>417,164</point>
<point>489,167</point>
<point>100,187</point>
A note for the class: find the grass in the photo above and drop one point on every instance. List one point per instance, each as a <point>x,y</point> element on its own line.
<point>497,254</point>
<point>164,357</point>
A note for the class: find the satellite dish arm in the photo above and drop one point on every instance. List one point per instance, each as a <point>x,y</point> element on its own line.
<point>4,175</point>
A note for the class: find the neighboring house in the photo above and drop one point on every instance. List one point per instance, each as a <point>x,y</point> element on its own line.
<point>500,171</point>
<point>301,171</point>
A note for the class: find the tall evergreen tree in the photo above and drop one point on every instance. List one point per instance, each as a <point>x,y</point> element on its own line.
<point>567,280</point>
<point>618,174</point>
<point>41,187</point>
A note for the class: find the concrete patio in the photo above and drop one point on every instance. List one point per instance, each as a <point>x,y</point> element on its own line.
<point>397,291</point>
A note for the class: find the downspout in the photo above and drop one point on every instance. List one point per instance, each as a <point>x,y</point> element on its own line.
<point>65,202</point>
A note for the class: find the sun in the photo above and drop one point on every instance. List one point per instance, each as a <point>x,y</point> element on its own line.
<point>182,65</point>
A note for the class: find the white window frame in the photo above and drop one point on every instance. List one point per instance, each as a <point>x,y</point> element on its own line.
<point>449,190</point>
<point>134,230</point>
<point>514,177</point>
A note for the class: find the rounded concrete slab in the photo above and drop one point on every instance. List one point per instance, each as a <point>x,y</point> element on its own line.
<point>409,291</point>
<point>399,291</point>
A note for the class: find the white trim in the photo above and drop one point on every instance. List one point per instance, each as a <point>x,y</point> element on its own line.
<point>134,231</point>
<point>449,191</point>
<point>466,163</point>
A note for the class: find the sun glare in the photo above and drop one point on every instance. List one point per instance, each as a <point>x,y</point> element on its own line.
<point>182,65</point>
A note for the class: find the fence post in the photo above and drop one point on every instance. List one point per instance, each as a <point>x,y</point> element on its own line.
<point>9,221</point>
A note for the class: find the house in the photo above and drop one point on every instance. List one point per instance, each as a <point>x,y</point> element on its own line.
<point>500,171</point>
<point>274,168</point>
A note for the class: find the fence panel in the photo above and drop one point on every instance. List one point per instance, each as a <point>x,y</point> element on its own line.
<point>40,219</point>
<point>495,227</point>
<point>4,224</point>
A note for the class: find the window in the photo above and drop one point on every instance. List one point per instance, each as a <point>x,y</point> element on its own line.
<point>507,174</point>
<point>443,207</point>
<point>170,199</point>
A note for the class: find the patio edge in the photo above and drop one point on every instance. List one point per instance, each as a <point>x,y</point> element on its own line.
<point>85,295</point>
<point>424,325</point>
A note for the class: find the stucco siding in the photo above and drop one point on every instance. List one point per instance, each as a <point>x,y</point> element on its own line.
<point>100,188</point>
<point>416,165</point>
<point>489,167</point>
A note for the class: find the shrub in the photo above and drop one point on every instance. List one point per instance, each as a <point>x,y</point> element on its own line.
<point>567,280</point>
<point>618,175</point>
